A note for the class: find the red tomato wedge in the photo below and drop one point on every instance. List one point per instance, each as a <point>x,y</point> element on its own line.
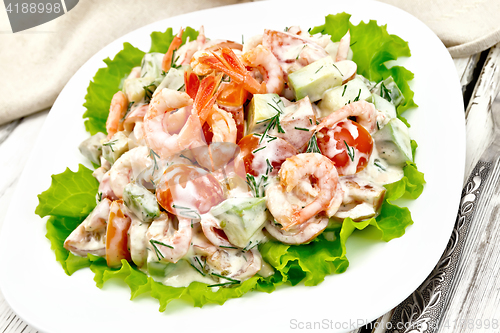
<point>116,235</point>
<point>347,144</point>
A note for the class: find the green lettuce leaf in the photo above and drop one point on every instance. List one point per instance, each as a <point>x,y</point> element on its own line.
<point>72,194</point>
<point>105,84</point>
<point>160,41</point>
<point>372,46</point>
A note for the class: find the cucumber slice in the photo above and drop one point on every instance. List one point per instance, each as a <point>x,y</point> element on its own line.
<point>393,142</point>
<point>384,106</point>
<point>141,202</point>
<point>241,218</point>
<point>314,79</point>
<point>261,108</point>
<point>115,147</point>
<point>334,99</point>
<point>389,90</point>
<point>151,65</point>
<point>92,147</point>
<point>174,79</point>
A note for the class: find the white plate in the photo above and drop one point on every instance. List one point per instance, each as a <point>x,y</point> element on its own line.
<point>380,275</point>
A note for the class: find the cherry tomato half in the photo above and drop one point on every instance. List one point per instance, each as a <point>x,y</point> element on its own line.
<point>257,156</point>
<point>347,144</point>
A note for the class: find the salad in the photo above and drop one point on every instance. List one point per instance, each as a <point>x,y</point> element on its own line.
<point>223,167</point>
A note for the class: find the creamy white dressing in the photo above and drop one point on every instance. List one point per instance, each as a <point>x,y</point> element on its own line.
<point>137,241</point>
<point>137,165</point>
<point>182,274</point>
<point>379,171</point>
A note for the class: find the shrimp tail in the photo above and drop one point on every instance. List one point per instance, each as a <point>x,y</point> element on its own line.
<point>227,62</point>
<point>174,45</point>
<point>191,82</point>
<point>206,96</point>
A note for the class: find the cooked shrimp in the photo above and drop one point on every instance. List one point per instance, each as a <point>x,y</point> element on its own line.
<point>343,49</point>
<point>174,45</point>
<point>252,43</point>
<point>167,241</point>
<point>213,231</point>
<point>304,233</point>
<point>231,263</point>
<point>200,68</point>
<point>262,59</point>
<point>186,51</point>
<point>222,125</point>
<point>128,167</point>
<point>165,131</point>
<point>117,110</point>
<point>291,50</point>
<point>365,113</point>
<point>216,155</point>
<point>324,187</point>
<point>166,100</point>
<point>135,73</point>
<point>226,61</point>
<point>135,115</point>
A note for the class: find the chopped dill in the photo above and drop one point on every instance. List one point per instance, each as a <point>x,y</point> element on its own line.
<point>350,151</point>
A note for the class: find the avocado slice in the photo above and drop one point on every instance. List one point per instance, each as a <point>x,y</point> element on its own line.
<point>141,202</point>
<point>115,147</point>
<point>389,90</point>
<point>91,148</point>
<point>314,79</point>
<point>354,90</point>
<point>151,65</point>
<point>384,106</point>
<point>262,107</point>
<point>393,142</point>
<point>241,218</point>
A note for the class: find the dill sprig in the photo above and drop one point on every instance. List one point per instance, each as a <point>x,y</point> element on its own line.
<point>357,97</point>
<point>312,146</point>
<point>350,151</point>
<point>274,122</point>
<point>148,92</point>
<point>269,167</point>
<point>377,164</point>
<point>154,155</point>
<point>227,278</point>
<point>385,93</point>
<point>258,149</point>
<point>110,144</point>
<point>338,69</point>
<point>187,212</point>
<point>258,188</point>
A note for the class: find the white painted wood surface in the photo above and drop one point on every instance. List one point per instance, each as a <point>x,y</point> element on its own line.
<point>17,140</point>
<point>476,301</point>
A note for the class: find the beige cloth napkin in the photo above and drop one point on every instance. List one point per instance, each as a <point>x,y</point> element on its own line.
<point>36,64</point>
